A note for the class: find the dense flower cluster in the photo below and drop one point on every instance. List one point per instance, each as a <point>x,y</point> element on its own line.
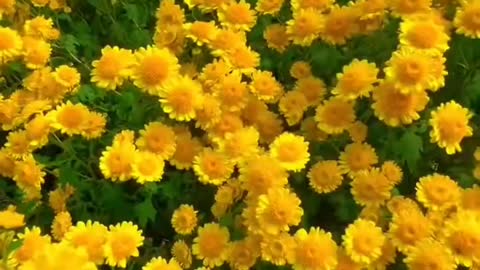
<point>245,133</point>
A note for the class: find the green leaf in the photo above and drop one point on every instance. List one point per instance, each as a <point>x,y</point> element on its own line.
<point>145,212</point>
<point>69,43</point>
<point>409,148</point>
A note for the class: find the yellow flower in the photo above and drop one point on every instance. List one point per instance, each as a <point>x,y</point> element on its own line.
<point>91,236</point>
<point>358,132</point>
<point>209,113</point>
<point>117,160</point>
<point>300,70</point>
<point>450,125</point>
<point>37,130</point>
<point>59,256</point>
<point>182,254</point>
<point>212,167</point>
<point>70,118</point>
<point>243,59</point>
<point>363,241</point>
<point>229,122</point>
<point>171,37</point>
<point>265,87</point>
<point>277,210</point>
<point>466,19</point>
<point>36,52</point>
<point>240,144</point>
<point>212,73</point>
<point>396,108</point>
<point>113,67</point>
<point>410,71</point>
<point>28,174</point>
<point>392,171</point>
<point>345,262</point>
<point>256,180</point>
<point>305,26</point>
<point>278,249</point>
<point>325,176</point>
<point>187,149</point>
<point>169,13</point>
<point>154,66</point>
<point>340,25</point>
<point>430,254</point>
<point>318,5</point>
<point>232,92</point>
<point>10,219</point>
<point>7,164</point>
<point>357,157</point>
<point>57,199</point>
<point>408,227</point>
<point>7,7</point>
<point>211,244</point>
<point>227,39</point>
<point>242,254</point>
<point>157,138</point>
<point>371,187</point>
<point>18,145</point>
<point>147,167</point>
<point>95,125</point>
<point>313,88</point>
<point>399,203</point>
<point>292,105</point>
<point>180,97</point>
<point>269,6</point>
<point>291,151</point>
<point>160,263</point>
<point>356,80</point>
<point>335,115</point>
<point>184,219</point>
<point>269,126</point>
<point>68,77</point>
<point>315,250</point>
<point>33,243</point>
<point>201,32</point>
<point>309,129</point>
<point>471,199</point>
<point>61,225</point>
<point>122,243</point>
<point>237,16</point>
<point>405,8</point>
<point>438,192</point>
<point>425,36</point>
<point>41,28</point>
<point>10,44</point>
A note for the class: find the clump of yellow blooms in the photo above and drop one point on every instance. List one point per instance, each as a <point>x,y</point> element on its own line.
<point>247,136</point>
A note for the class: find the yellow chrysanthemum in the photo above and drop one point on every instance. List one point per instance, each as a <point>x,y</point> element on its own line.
<point>169,13</point>
<point>158,139</point>
<point>340,25</point>
<point>466,19</point>
<point>36,52</point>
<point>363,241</point>
<point>396,108</point>
<point>404,8</point>
<point>392,171</point>
<point>182,254</point>
<point>212,73</point>
<point>438,192</point>
<point>117,160</point>
<point>243,254</point>
<point>187,148</point>
<point>37,130</point>
<point>237,15</point>
<point>209,113</point>
<point>243,59</point>
<point>430,254</point>
<point>408,227</point>
<point>335,115</point>
<point>370,187</point>
<point>425,36</point>
<point>212,167</point>
<point>33,243</point>
<point>325,176</point>
<point>291,151</point>
<point>462,234</point>
<point>59,256</point>
<point>123,241</point>
<point>201,32</point>
<point>227,39</point>
<point>95,125</point>
<point>184,219</point>
<point>292,106</point>
<point>471,199</point>
<point>10,219</point>
<point>160,263</point>
<point>356,80</point>
<point>70,118</point>
<point>180,97</point>
<point>450,126</point>
<point>61,225</point>
<point>68,77</point>
<point>41,27</point>
<point>18,145</point>
<point>411,71</point>
<point>154,66</point>
<point>232,92</point>
<point>265,87</point>
<point>300,70</point>
<point>276,36</point>
<point>57,199</point>
<point>7,164</point>
<point>278,249</point>
<point>315,250</point>
<point>240,144</point>
<point>305,26</point>
<point>358,132</point>
<point>309,129</point>
<point>91,236</point>
<point>313,88</point>
<point>113,67</point>
<point>345,262</point>
<point>277,210</point>
<point>28,174</point>
<point>10,44</point>
<point>357,157</point>
<point>229,122</point>
<point>319,5</point>
<point>147,167</point>
<point>269,6</point>
<point>211,244</point>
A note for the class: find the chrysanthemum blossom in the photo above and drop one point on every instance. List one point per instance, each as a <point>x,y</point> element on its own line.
<point>438,192</point>
<point>180,97</point>
<point>466,19</point>
<point>363,241</point>
<point>123,241</point>
<point>315,250</point>
<point>291,151</point>
<point>113,67</point>
<point>211,244</point>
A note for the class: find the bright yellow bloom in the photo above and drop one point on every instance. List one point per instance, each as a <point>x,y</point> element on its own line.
<point>10,219</point>
<point>41,28</point>
<point>371,188</point>
<point>335,115</point>
<point>318,5</point>
<point>243,59</point>
<point>340,25</point>
<point>123,241</point>
<point>227,39</point>
<point>265,87</point>
<point>278,249</point>
<point>408,227</point>
<point>61,225</point>
<point>430,254</point>
<point>69,118</point>
<point>269,6</point>
<point>357,157</point>
<point>147,167</point>
<point>242,254</point>
<point>232,92</point>
<point>356,80</point>
<point>68,77</point>
<point>117,160</point>
<point>184,219</point>
<point>169,13</point>
<point>406,8</point>
<point>201,32</point>
<point>113,67</point>
<point>392,171</point>
<point>438,192</point>
<point>358,132</point>
<point>292,106</point>
<point>315,250</point>
<point>182,254</point>
<point>157,138</point>
<point>10,44</point>
<point>450,126</point>
<point>160,263</point>
<point>33,243</point>
<point>305,26</point>
<point>237,16</point>
<point>277,210</point>
<point>291,151</point>
<point>36,52</point>
<point>300,70</point>
<point>28,174</point>
<point>240,145</point>
<point>313,88</point>
<point>466,18</point>
<point>180,97</point>
<point>211,244</point>
<point>187,148</point>
<point>425,36</point>
<point>212,167</point>
<point>18,145</point>
<point>91,236</point>
<point>363,241</point>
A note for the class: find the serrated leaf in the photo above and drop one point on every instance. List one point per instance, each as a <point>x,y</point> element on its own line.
<point>145,212</point>
<point>409,148</point>
<point>69,43</point>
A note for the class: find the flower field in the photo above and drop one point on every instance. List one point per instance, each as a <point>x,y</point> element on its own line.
<point>239,134</point>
